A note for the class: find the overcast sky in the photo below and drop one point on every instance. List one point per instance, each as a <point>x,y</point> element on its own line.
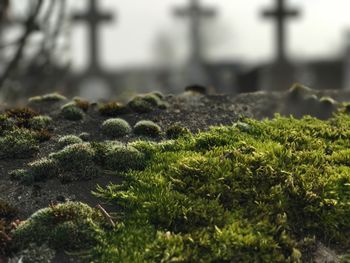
<point>240,32</point>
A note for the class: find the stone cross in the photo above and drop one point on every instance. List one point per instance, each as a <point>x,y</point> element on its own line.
<point>93,18</point>
<point>195,13</point>
<point>280,14</point>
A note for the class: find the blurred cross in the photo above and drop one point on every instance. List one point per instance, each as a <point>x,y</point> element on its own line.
<point>281,14</point>
<point>195,12</point>
<point>93,18</point>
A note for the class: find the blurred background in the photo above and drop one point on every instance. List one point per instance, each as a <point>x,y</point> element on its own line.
<point>101,49</point>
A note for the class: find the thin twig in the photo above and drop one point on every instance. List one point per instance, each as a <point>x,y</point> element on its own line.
<point>106,215</point>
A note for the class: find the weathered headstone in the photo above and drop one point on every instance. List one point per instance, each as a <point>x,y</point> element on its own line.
<point>281,73</point>
<point>195,12</point>
<point>93,18</point>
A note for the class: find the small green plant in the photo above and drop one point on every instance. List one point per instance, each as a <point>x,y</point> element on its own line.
<point>71,112</point>
<point>116,128</point>
<point>40,122</point>
<point>176,131</point>
<point>52,97</point>
<point>19,143</point>
<point>69,226</point>
<point>147,128</point>
<point>68,140</point>
<point>112,109</point>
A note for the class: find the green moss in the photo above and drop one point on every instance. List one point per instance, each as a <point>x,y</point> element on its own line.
<point>42,135</point>
<point>52,97</point>
<point>21,116</point>
<point>139,105</point>
<point>39,170</point>
<point>71,112</point>
<point>112,109</point>
<point>121,158</point>
<point>255,194</point>
<point>116,128</point>
<point>43,169</point>
<point>74,157</point>
<point>147,128</point>
<point>68,140</point>
<point>147,103</point>
<point>19,143</point>
<point>176,131</point>
<point>68,226</point>
<point>40,122</point>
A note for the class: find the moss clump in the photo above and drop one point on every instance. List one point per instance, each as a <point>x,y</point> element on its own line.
<point>112,109</point>
<point>19,143</point>
<point>176,131</point>
<point>69,226</point>
<point>52,97</point>
<point>40,122</point>
<point>231,194</point>
<point>139,105</point>
<point>42,135</point>
<point>147,128</point>
<point>39,170</point>
<point>6,124</point>
<point>21,116</point>
<point>121,158</point>
<point>71,112</point>
<point>68,140</point>
<point>76,162</point>
<point>146,103</point>
<point>116,128</point>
